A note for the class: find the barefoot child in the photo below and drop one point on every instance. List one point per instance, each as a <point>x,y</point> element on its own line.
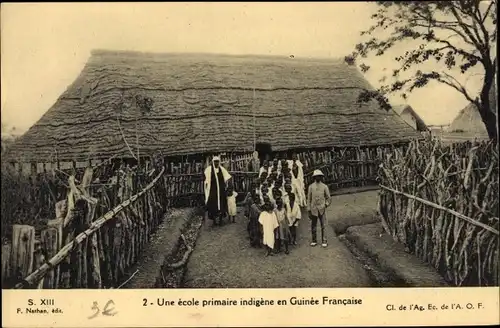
<point>293,216</point>
<point>286,194</point>
<point>269,223</point>
<point>250,196</point>
<point>231,203</point>
<point>284,229</point>
<point>254,229</point>
<point>264,169</point>
<point>276,193</point>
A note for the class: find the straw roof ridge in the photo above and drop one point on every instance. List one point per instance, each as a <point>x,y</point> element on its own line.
<point>207,103</point>
<point>208,55</point>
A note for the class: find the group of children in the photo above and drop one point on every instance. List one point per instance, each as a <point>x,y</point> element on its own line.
<point>272,224</point>
<point>274,204</point>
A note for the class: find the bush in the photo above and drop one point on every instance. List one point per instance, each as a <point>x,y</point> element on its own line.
<point>26,200</point>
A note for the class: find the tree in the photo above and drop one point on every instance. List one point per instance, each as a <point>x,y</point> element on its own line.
<point>8,136</point>
<point>458,35</point>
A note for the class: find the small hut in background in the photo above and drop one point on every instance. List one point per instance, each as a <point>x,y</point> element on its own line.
<point>408,114</point>
<point>188,107</point>
<point>469,120</point>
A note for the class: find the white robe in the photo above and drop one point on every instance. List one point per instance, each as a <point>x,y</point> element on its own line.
<point>298,183</point>
<point>231,204</point>
<point>299,192</point>
<point>208,181</point>
<point>293,213</point>
<point>285,197</point>
<point>269,223</point>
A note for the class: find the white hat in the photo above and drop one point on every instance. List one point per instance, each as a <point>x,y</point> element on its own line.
<point>317,173</point>
<point>216,158</point>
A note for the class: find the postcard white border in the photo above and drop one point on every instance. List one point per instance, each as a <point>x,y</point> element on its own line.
<point>479,306</point>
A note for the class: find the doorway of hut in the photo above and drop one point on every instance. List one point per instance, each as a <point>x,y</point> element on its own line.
<point>264,150</point>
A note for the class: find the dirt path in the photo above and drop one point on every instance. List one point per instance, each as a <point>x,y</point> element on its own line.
<point>224,259</point>
<point>153,255</point>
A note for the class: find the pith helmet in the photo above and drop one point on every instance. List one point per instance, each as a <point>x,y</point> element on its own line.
<point>317,173</point>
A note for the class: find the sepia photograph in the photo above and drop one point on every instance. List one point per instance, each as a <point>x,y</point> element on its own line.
<point>249,145</point>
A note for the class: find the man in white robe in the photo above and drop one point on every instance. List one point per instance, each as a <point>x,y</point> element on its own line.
<point>216,178</point>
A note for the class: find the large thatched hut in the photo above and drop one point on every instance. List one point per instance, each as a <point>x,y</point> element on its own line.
<point>126,103</point>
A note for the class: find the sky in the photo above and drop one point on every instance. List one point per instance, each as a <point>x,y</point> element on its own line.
<point>45,46</point>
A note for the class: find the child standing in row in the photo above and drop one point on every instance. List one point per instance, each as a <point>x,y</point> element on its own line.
<point>269,223</point>
<point>283,231</point>
<point>293,215</point>
<point>231,203</point>
<point>254,227</point>
<point>250,196</point>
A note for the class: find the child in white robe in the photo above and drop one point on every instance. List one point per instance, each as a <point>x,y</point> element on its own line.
<point>299,190</point>
<point>288,182</point>
<point>298,180</point>
<point>264,169</point>
<point>286,195</point>
<point>269,223</point>
<point>231,203</point>
<point>293,216</point>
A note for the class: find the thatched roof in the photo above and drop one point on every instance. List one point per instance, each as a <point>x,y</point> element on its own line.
<point>469,119</point>
<point>406,111</point>
<point>204,103</point>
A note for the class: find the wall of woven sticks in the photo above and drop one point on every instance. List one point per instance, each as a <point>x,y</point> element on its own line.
<point>343,167</point>
<point>442,203</point>
<point>95,236</point>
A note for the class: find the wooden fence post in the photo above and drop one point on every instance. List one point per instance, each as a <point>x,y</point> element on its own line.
<point>23,247</point>
<point>51,241</point>
<point>6,269</point>
<point>39,259</point>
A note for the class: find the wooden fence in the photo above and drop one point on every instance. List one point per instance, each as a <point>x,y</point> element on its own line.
<point>441,202</point>
<point>92,242</point>
<point>100,228</point>
<point>346,167</point>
